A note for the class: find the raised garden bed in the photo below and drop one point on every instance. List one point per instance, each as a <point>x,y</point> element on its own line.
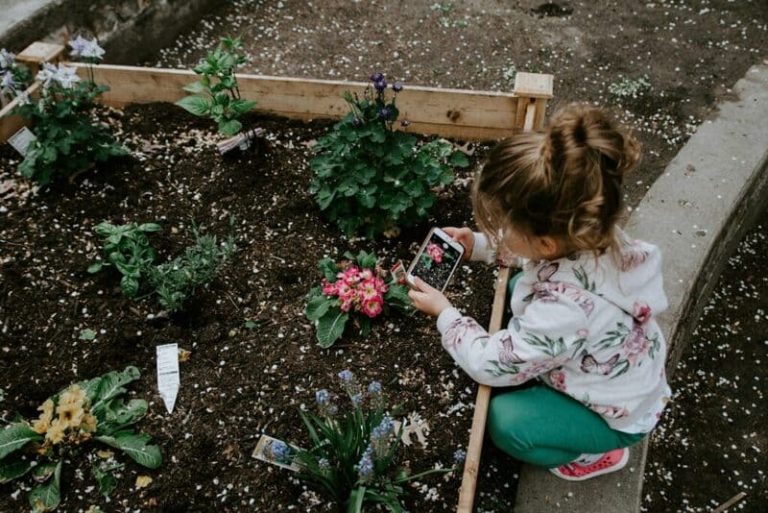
<point>253,359</point>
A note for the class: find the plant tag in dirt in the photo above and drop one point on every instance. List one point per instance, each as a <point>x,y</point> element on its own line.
<point>437,259</point>
<point>398,272</point>
<point>168,374</point>
<point>276,452</point>
<point>21,140</point>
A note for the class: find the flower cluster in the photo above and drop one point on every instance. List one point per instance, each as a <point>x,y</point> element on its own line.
<point>435,252</point>
<point>86,49</point>
<point>358,290</point>
<point>61,75</point>
<point>13,77</point>
<point>73,418</point>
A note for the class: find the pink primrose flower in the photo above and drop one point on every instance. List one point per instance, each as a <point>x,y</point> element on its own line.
<point>366,274</point>
<point>380,285</point>
<point>367,290</point>
<point>435,252</point>
<point>372,308</point>
<point>329,289</point>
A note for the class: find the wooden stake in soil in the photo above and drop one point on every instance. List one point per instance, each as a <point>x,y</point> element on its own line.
<point>533,90</point>
<point>730,502</point>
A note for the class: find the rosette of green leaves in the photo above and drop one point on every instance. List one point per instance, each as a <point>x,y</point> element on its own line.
<point>369,177</point>
<point>115,418</point>
<point>339,441</point>
<point>216,95</point>
<point>330,321</point>
<point>127,248</point>
<point>67,138</point>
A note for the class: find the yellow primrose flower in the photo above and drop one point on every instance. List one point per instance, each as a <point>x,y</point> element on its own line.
<point>41,424</point>
<point>55,432</point>
<point>72,395</point>
<point>89,423</point>
<point>70,414</point>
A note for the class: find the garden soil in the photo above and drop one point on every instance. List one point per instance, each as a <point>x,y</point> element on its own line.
<point>240,382</point>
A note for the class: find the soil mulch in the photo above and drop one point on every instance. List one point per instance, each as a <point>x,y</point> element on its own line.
<point>238,382</point>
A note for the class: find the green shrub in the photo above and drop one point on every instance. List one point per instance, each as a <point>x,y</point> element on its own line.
<point>68,138</point>
<point>368,177</point>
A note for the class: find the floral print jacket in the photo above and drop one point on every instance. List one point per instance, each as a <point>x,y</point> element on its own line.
<point>582,324</point>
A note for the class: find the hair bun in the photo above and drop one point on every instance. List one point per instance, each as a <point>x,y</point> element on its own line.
<point>580,126</point>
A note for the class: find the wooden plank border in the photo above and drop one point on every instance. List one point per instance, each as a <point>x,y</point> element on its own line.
<point>530,115</point>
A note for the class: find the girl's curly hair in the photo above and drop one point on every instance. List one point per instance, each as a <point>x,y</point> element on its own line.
<point>565,182</point>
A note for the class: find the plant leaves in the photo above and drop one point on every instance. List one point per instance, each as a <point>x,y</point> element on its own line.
<point>48,496</point>
<point>13,470</point>
<point>111,385</point>
<point>43,472</point>
<point>230,127</point>
<point>15,437</point>
<point>317,307</point>
<point>458,159</point>
<point>197,105</point>
<point>195,87</point>
<point>329,269</point>
<point>331,326</point>
<point>104,478</point>
<point>94,268</point>
<point>118,414</point>
<point>136,447</point>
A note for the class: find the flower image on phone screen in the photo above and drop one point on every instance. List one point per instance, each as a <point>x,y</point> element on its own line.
<point>436,262</point>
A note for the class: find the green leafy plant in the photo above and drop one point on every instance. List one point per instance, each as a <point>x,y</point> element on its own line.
<point>369,177</point>
<point>127,248</point>
<point>175,281</point>
<point>216,95</point>
<point>68,138</point>
<point>85,412</point>
<point>356,288</point>
<point>354,455</point>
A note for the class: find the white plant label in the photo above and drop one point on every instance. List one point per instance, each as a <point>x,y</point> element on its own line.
<point>263,452</point>
<point>168,374</point>
<point>21,140</point>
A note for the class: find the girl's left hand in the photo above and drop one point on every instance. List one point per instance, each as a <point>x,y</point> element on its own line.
<point>428,299</point>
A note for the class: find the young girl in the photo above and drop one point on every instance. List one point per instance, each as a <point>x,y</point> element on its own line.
<point>582,308</point>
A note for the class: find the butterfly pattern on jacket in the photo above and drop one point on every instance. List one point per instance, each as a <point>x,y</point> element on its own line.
<point>546,290</point>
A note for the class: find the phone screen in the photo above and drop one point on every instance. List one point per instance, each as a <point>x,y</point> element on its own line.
<point>436,262</point>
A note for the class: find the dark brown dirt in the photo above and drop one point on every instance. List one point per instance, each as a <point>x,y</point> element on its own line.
<point>239,382</point>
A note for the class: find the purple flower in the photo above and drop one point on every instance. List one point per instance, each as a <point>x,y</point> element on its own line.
<point>397,87</point>
<point>324,464</point>
<point>357,399</point>
<point>6,82</point>
<point>459,456</point>
<point>346,376</point>
<point>374,388</point>
<point>380,85</point>
<point>377,77</point>
<point>6,59</point>
<point>78,45</point>
<point>405,123</point>
<point>322,397</point>
<point>385,113</point>
<point>365,465</point>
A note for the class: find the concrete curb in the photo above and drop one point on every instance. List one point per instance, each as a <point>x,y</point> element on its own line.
<point>129,30</point>
<point>696,212</point>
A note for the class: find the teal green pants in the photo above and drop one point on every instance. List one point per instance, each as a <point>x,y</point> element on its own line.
<point>539,425</point>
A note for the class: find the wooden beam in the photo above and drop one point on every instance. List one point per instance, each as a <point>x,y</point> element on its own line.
<point>532,114</point>
<point>477,433</point>
<point>462,114</point>
<point>9,123</point>
<point>37,53</point>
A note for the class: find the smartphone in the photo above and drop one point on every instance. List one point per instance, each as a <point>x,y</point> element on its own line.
<point>437,259</point>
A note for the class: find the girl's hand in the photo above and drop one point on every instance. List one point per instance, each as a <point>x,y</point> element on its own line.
<point>428,299</point>
<point>463,236</point>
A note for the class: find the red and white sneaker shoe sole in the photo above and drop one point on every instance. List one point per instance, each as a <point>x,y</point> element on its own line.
<point>610,462</point>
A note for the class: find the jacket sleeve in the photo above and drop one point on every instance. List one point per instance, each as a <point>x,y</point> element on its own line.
<point>484,251</point>
<point>547,334</point>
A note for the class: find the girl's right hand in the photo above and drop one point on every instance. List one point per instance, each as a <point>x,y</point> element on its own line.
<point>463,236</point>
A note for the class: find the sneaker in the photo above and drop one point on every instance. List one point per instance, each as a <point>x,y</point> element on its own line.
<point>609,462</point>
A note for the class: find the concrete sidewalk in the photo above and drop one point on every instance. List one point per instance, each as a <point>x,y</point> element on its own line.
<point>696,212</point>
